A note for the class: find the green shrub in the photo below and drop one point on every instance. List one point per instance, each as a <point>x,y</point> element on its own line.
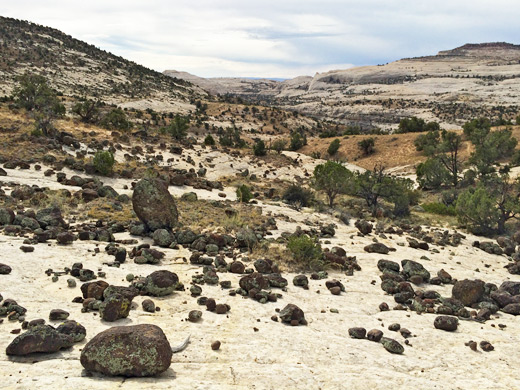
<point>279,145</point>
<point>244,194</point>
<point>333,147</point>
<point>439,208</point>
<point>116,120</point>
<point>178,127</point>
<point>307,252</point>
<point>298,196</point>
<point>415,125</point>
<point>297,141</point>
<point>35,95</point>
<point>259,148</point>
<point>476,208</point>
<point>87,110</point>
<point>432,174</point>
<point>209,140</point>
<point>367,146</point>
<point>104,162</point>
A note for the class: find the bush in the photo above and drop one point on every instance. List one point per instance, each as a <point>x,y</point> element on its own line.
<point>279,145</point>
<point>307,252</point>
<point>259,148</point>
<point>116,120</point>
<point>367,146</point>
<point>104,162</point>
<point>333,147</point>
<point>178,127</point>
<point>432,174</point>
<point>297,141</point>
<point>449,197</point>
<point>298,196</point>
<point>439,208</point>
<point>230,137</point>
<point>87,110</point>
<point>209,140</point>
<point>415,125</point>
<point>244,194</point>
<point>477,209</point>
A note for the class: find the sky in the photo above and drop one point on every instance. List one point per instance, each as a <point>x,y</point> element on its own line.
<point>273,39</point>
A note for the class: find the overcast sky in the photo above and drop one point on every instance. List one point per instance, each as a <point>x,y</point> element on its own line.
<point>265,38</point>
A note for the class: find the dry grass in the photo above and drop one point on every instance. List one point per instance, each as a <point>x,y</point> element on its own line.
<point>101,209</point>
<point>278,253</point>
<point>204,216</point>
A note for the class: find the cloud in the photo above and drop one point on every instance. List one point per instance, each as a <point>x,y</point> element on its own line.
<point>273,38</point>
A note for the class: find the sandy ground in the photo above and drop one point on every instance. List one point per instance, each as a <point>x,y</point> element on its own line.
<point>320,355</point>
<point>317,356</point>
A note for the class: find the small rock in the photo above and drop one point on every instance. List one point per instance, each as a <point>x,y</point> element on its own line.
<point>486,346</point>
<point>58,315</point>
<point>148,306</point>
<point>375,335</point>
<point>194,315</point>
<point>357,333</point>
<point>447,323</point>
<point>392,345</point>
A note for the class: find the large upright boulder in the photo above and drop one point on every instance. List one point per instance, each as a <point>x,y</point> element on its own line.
<point>154,205</point>
<point>131,351</point>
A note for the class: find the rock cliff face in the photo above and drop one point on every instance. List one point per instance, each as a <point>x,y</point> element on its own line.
<point>450,87</point>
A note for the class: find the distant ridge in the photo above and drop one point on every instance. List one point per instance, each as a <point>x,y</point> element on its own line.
<point>489,48</point>
<point>78,68</point>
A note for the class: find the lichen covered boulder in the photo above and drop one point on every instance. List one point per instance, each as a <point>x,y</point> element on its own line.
<point>131,351</point>
<point>412,268</point>
<point>158,283</point>
<point>392,346</point>
<point>254,281</point>
<point>293,315</point>
<point>114,307</point>
<point>41,338</point>
<point>154,205</point>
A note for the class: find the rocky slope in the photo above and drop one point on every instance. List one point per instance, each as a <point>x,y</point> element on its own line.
<point>79,69</point>
<point>257,350</point>
<point>451,87</point>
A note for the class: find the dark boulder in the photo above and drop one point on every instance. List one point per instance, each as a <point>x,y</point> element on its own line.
<point>114,307</point>
<point>447,323</point>
<point>131,351</point>
<point>5,269</point>
<point>254,281</point>
<point>293,314</point>
<point>468,291</point>
<point>73,329</point>
<point>377,247</point>
<point>158,283</point>
<point>363,226</point>
<point>412,268</point>
<point>41,338</point>
<point>392,345</point>
<point>154,205</point>
<point>357,333</point>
